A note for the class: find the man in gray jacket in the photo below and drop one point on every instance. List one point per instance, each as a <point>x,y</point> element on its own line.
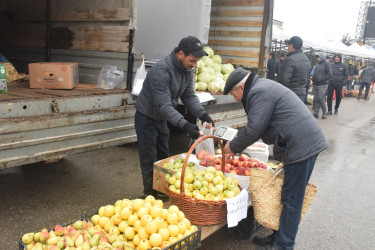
<point>367,76</point>
<point>277,116</point>
<point>321,76</point>
<point>295,71</point>
<point>166,82</point>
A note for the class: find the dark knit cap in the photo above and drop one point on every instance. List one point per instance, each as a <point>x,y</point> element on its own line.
<point>234,78</point>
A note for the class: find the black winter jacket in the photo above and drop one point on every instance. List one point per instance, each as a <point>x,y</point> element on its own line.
<point>165,83</point>
<point>295,72</point>
<point>277,116</point>
<point>339,73</point>
<point>322,72</point>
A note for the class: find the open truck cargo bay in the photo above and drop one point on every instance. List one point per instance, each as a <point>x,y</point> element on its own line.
<point>43,124</point>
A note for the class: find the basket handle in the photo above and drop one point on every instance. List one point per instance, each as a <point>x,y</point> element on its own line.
<point>199,140</point>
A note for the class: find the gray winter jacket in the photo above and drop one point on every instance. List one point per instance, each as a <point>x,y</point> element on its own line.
<point>277,116</point>
<point>165,83</point>
<point>295,72</point>
<point>322,72</point>
<point>368,74</point>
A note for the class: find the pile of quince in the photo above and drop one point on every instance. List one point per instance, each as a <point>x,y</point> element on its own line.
<point>129,224</point>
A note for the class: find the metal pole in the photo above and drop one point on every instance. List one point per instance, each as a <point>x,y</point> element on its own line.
<point>48,30</point>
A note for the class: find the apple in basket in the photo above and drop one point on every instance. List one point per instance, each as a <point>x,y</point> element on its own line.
<point>202,154</point>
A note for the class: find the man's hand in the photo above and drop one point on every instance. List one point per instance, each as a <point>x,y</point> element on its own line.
<point>207,118</point>
<point>228,152</point>
<point>192,130</point>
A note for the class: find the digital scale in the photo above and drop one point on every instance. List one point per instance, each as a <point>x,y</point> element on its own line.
<point>225,133</point>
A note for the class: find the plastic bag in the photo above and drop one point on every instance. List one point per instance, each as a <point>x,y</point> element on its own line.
<point>109,77</point>
<point>140,76</point>
<point>258,151</point>
<point>208,144</point>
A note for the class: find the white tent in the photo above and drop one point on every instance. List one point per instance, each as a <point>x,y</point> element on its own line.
<point>327,46</point>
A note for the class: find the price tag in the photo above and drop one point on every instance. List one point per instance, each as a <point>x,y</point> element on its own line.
<point>237,208</point>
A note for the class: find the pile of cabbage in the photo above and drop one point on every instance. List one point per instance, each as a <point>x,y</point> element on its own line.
<point>211,74</point>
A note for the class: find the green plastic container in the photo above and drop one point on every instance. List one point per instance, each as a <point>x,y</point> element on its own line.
<point>3,79</point>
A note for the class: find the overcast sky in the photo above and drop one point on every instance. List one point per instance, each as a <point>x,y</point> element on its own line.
<point>326,19</point>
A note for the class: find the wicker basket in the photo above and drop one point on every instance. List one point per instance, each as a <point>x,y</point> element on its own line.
<point>199,212</point>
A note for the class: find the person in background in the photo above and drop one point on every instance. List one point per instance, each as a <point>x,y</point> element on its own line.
<point>277,116</point>
<point>169,80</point>
<point>338,79</point>
<point>295,72</point>
<point>272,67</point>
<point>281,62</point>
<point>322,74</point>
<point>367,76</point>
<point>350,77</point>
<point>327,59</point>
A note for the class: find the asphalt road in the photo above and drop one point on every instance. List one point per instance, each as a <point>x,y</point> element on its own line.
<point>341,217</point>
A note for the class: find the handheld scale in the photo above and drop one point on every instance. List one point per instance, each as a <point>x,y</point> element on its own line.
<point>225,133</point>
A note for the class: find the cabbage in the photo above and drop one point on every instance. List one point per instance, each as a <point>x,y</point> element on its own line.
<point>219,75</point>
<point>213,86</point>
<point>204,77</point>
<point>209,51</point>
<point>200,64</point>
<point>207,61</point>
<point>216,67</point>
<point>201,86</point>
<point>226,68</point>
<point>216,59</point>
<point>204,69</point>
<point>222,86</point>
<point>195,86</point>
<point>225,77</point>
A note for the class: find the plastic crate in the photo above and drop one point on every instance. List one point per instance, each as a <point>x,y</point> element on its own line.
<point>86,217</point>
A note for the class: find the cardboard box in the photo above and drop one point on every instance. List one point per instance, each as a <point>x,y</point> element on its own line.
<point>53,75</point>
<point>3,79</point>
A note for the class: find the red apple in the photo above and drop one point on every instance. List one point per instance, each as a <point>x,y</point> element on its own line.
<point>210,157</point>
<point>246,172</point>
<point>230,161</point>
<point>201,154</point>
<point>218,167</point>
<point>239,170</point>
<point>235,162</point>
<point>233,171</point>
<point>227,168</point>
<point>203,163</point>
<point>241,163</point>
<point>218,161</point>
<point>242,158</point>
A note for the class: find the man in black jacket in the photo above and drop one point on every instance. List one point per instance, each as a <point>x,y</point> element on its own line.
<point>321,76</point>
<point>277,116</point>
<point>272,67</point>
<point>338,79</point>
<point>166,82</point>
<point>295,72</point>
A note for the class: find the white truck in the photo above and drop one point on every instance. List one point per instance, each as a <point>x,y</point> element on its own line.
<point>46,124</point>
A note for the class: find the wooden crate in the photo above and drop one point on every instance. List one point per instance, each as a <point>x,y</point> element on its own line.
<point>159,181</point>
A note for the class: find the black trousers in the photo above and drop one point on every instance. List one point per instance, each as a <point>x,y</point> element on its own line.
<point>338,89</point>
<point>153,137</point>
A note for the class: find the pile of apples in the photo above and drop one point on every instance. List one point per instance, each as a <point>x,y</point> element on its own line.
<point>176,165</point>
<point>237,166</point>
<point>210,184</point>
<point>129,224</point>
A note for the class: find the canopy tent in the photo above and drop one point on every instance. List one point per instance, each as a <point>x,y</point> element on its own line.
<point>327,46</point>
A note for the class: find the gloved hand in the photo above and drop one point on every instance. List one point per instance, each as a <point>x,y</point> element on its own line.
<point>206,118</point>
<point>192,130</point>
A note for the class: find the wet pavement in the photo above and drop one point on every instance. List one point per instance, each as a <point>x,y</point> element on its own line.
<point>341,217</point>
